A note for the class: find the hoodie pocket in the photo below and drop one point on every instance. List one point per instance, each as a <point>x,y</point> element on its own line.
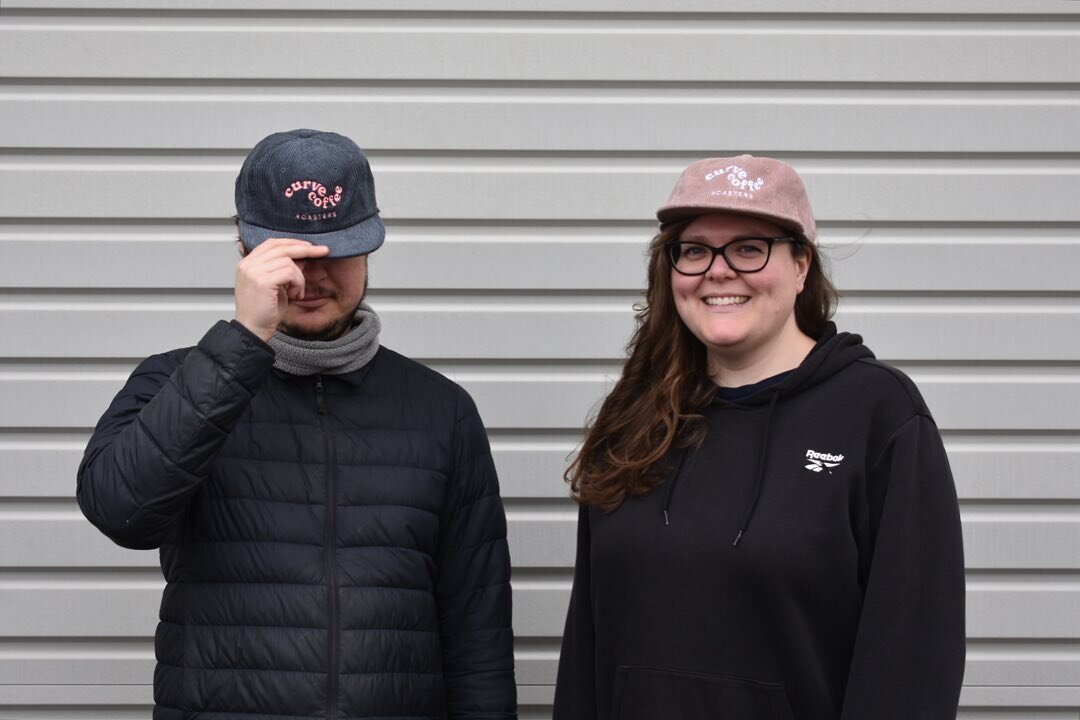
<point>646,693</point>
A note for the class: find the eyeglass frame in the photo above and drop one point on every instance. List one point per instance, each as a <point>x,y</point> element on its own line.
<point>769,241</point>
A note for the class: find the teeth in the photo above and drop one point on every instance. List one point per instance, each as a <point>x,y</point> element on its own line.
<point>729,300</point>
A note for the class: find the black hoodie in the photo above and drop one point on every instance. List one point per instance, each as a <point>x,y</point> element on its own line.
<point>805,562</point>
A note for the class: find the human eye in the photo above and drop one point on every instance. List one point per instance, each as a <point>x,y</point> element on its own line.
<point>692,251</point>
<point>749,247</point>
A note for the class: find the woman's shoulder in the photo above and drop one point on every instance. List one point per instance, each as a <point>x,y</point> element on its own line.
<point>889,387</point>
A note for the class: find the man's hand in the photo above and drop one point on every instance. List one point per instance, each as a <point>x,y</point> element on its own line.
<point>267,278</point>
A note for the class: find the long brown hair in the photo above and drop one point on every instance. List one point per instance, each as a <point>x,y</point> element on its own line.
<point>656,405</point>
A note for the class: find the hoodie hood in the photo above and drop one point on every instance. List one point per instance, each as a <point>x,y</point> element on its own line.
<point>832,353</point>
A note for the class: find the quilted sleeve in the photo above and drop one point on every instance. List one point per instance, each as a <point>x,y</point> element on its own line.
<point>473,586</point>
<point>157,441</point>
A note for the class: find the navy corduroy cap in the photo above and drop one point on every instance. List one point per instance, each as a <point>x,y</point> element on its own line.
<point>309,185</point>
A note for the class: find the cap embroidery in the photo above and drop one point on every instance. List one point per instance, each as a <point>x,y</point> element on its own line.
<point>319,196</point>
<point>745,187</point>
<point>316,216</point>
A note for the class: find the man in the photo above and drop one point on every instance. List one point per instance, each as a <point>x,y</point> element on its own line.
<point>327,511</point>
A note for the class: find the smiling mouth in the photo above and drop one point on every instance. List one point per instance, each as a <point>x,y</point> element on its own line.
<point>727,300</point>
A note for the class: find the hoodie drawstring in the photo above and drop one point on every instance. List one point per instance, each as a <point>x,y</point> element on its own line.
<point>674,479</point>
<point>759,475</point>
<point>763,457</point>
<point>759,480</point>
<point>832,352</point>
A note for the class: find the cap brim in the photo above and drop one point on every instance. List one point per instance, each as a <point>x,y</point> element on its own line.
<point>678,213</point>
<point>360,239</point>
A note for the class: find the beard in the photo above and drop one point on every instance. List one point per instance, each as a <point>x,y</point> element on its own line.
<point>331,331</point>
<point>334,328</point>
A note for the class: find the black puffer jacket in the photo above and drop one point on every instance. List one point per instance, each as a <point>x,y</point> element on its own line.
<point>334,547</point>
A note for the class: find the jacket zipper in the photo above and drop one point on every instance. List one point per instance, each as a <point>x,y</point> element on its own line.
<point>329,540</point>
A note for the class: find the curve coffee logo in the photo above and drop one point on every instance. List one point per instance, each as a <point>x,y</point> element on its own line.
<point>318,194</point>
<point>822,462</point>
<point>741,183</point>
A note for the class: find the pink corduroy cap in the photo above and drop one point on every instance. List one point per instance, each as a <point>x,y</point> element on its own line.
<point>759,186</point>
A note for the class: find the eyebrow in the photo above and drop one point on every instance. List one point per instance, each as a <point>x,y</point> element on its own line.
<point>704,241</point>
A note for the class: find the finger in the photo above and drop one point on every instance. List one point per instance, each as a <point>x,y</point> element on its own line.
<point>297,248</point>
<point>271,244</point>
<point>251,269</point>
<point>294,288</point>
<point>287,277</point>
<point>271,264</point>
<point>289,247</point>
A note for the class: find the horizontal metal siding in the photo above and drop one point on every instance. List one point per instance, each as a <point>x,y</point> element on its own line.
<point>544,189</point>
<point>618,49</point>
<point>572,8</point>
<point>866,259</point>
<point>519,156</point>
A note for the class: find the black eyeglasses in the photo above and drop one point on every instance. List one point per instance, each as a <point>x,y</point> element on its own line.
<point>745,255</point>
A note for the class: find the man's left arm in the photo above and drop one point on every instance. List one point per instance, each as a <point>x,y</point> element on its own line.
<point>473,586</point>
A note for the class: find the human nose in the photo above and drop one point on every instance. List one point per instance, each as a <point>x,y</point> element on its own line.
<point>720,269</point>
<point>311,267</point>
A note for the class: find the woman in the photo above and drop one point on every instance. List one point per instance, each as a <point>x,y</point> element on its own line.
<point>768,526</point>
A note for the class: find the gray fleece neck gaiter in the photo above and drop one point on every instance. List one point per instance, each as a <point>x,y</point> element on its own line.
<point>351,351</point>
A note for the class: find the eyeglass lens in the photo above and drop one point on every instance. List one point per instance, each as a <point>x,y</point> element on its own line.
<point>743,255</point>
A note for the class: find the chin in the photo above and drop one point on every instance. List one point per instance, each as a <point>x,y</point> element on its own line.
<point>723,339</point>
<point>317,332</point>
<point>726,345</point>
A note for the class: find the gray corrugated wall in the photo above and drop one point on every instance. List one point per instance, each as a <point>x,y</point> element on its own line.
<point>519,156</point>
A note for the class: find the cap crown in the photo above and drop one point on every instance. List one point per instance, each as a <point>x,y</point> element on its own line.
<point>759,186</point>
<point>311,185</point>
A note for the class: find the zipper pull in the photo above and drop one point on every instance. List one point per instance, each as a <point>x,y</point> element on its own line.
<point>320,398</point>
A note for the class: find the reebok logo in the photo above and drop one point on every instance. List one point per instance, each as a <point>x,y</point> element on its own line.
<point>820,461</point>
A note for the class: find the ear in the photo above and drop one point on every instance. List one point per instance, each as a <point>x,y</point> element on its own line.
<point>803,258</point>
